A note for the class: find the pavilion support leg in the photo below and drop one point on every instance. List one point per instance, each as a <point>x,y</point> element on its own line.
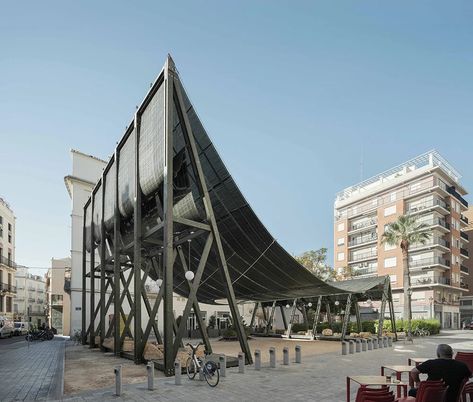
<point>291,319</point>
<point>202,185</point>
<point>103,311</point>
<point>382,312</point>
<point>265,316</point>
<point>92,281</point>
<point>283,316</point>
<point>358,316</point>
<point>317,316</point>
<point>271,318</point>
<point>84,283</point>
<point>304,317</point>
<point>346,317</point>
<point>116,265</point>
<point>392,316</point>
<point>253,317</point>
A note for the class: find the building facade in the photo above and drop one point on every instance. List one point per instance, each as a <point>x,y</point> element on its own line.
<point>86,170</point>
<point>30,300</point>
<point>426,187</point>
<point>58,289</point>
<point>7,259</point>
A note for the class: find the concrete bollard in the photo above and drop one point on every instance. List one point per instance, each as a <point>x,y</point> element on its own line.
<point>298,354</point>
<point>177,372</point>
<point>118,380</point>
<point>358,345</point>
<point>272,357</point>
<point>380,343</point>
<point>285,356</point>
<point>385,341</point>
<point>257,359</point>
<point>369,343</point>
<point>390,341</point>
<point>351,347</point>
<point>375,343</point>
<point>344,348</point>
<point>150,372</point>
<point>241,362</point>
<point>223,365</point>
<point>364,345</point>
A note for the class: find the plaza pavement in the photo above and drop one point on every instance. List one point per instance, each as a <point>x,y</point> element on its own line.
<point>31,372</point>
<point>318,378</point>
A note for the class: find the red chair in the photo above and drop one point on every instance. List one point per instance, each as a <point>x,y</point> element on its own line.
<point>466,358</point>
<point>423,385</point>
<point>435,394</point>
<point>364,393</point>
<point>465,389</point>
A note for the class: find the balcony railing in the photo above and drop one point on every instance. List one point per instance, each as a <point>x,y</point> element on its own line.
<point>464,285</point>
<point>428,281</point>
<point>8,262</point>
<point>363,256</point>
<point>364,271</point>
<point>464,251</point>
<point>464,269</point>
<point>431,242</point>
<point>426,205</point>
<point>31,300</point>
<point>363,239</point>
<point>451,190</point>
<point>429,261</point>
<point>364,224</point>
<point>435,222</point>
<point>6,287</point>
<point>464,219</point>
<point>464,236</point>
<point>32,288</point>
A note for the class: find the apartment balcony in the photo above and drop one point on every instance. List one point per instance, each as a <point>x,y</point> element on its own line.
<point>464,252</point>
<point>464,236</point>
<point>8,288</point>
<point>429,263</point>
<point>363,240</point>
<point>370,271</point>
<point>371,255</point>
<point>31,300</point>
<point>31,288</point>
<point>8,262</point>
<point>435,204</point>
<point>437,223</point>
<point>433,242</point>
<point>371,223</point>
<point>464,219</point>
<point>451,190</point>
<point>464,285</point>
<point>464,269</point>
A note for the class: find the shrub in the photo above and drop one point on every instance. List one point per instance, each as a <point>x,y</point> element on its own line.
<point>432,325</point>
<point>298,327</point>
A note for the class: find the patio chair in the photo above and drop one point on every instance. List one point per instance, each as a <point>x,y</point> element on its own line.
<point>423,385</point>
<point>364,393</point>
<point>466,358</point>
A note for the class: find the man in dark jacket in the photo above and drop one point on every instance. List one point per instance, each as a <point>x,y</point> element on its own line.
<point>452,372</point>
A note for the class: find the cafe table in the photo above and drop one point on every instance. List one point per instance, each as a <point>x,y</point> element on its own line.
<point>398,370</point>
<point>373,380</point>
<point>417,360</point>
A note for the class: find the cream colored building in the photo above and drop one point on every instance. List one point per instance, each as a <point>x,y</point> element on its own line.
<point>7,259</point>
<point>58,288</point>
<point>429,188</point>
<point>30,300</point>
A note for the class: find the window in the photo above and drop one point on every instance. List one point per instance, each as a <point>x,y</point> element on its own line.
<point>9,238</point>
<point>415,187</point>
<point>390,262</point>
<point>388,247</point>
<point>390,210</point>
<point>341,227</point>
<point>466,302</point>
<point>1,220</point>
<point>341,241</point>
<point>393,278</point>
<point>392,197</point>
<point>340,256</point>
<point>9,227</point>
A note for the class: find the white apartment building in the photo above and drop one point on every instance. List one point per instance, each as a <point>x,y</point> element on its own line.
<point>429,188</point>
<point>30,301</point>
<point>7,259</point>
<point>58,289</point>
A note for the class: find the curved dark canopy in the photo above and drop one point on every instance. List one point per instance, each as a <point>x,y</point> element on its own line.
<point>259,267</point>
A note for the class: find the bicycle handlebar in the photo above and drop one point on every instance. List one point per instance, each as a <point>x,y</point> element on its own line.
<point>194,348</point>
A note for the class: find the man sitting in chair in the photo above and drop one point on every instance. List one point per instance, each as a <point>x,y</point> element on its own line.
<point>452,372</point>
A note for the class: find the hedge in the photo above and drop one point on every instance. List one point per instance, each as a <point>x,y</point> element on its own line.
<point>433,326</point>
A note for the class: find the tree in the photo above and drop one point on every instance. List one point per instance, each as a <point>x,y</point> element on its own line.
<point>316,262</point>
<point>404,232</point>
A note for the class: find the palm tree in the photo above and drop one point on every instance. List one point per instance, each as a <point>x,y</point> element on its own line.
<point>404,232</point>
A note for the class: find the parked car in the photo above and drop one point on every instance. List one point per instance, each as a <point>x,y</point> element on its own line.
<point>21,328</point>
<point>6,327</point>
<point>469,325</point>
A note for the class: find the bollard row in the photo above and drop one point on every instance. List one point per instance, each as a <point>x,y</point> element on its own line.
<point>364,344</point>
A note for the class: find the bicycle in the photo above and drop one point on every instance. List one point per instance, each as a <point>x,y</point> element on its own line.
<point>209,368</point>
<point>421,332</point>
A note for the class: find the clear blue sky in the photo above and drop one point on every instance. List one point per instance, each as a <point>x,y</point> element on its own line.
<point>291,93</point>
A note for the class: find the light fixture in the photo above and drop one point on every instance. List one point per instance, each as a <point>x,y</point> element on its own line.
<point>287,306</point>
<point>368,301</point>
<point>189,275</point>
<point>309,304</point>
<point>342,312</point>
<point>337,302</point>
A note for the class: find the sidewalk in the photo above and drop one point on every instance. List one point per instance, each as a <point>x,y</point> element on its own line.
<point>319,378</point>
<point>32,373</point>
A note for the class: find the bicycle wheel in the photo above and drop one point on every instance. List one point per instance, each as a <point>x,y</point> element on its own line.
<point>191,368</point>
<point>212,376</point>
